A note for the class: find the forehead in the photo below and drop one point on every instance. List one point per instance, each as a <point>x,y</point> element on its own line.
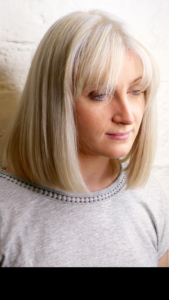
<point>121,67</point>
<point>131,73</point>
<point>131,70</point>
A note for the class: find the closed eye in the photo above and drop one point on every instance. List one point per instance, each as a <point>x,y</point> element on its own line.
<point>99,97</point>
<point>136,92</point>
<point>94,95</point>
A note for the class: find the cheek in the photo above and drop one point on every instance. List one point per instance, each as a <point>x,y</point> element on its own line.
<point>83,121</point>
<point>139,111</point>
<point>88,120</point>
<point>87,124</point>
<point>142,113</point>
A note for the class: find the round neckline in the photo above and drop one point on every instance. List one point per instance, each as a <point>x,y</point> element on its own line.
<point>64,196</point>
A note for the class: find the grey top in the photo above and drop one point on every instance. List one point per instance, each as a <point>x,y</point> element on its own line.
<point>114,227</point>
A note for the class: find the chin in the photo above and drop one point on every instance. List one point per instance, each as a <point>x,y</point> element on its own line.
<point>119,153</point>
<point>118,156</point>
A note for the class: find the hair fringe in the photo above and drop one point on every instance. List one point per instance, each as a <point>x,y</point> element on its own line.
<point>41,143</point>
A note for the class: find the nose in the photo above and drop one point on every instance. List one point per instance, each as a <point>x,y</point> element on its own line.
<point>123,110</point>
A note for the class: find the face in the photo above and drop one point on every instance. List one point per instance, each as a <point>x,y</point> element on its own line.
<point>107,125</point>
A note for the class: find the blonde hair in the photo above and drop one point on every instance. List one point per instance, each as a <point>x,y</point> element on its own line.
<point>79,50</point>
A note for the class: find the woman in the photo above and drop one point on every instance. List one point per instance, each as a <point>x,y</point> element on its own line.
<point>76,188</point>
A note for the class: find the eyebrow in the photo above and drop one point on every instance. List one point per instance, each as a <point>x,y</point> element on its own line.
<point>135,80</point>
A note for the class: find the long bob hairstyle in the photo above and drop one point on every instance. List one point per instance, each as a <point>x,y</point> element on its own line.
<point>80,50</point>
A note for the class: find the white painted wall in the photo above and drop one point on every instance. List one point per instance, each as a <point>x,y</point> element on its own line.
<point>24,22</point>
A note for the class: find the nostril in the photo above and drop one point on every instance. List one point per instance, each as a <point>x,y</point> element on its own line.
<point>123,118</point>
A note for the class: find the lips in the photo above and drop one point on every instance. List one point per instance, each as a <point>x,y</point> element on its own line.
<point>119,135</point>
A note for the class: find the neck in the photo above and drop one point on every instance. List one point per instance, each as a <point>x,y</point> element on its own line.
<point>98,172</point>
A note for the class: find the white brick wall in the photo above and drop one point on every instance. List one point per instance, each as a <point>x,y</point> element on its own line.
<point>24,22</point>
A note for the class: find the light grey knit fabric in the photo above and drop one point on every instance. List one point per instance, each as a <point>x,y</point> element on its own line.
<point>113,227</point>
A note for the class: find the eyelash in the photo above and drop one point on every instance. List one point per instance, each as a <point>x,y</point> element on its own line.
<point>100,97</point>
<point>136,92</point>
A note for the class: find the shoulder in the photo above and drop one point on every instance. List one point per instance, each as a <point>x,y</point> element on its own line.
<point>154,195</point>
<point>151,193</point>
<point>153,205</point>
<point>10,187</point>
<point>16,197</point>
<point>152,199</point>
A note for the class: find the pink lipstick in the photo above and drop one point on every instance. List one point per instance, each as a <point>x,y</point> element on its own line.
<point>119,136</point>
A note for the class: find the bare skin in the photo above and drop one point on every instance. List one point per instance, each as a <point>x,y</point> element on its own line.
<point>98,121</point>
<point>164,261</point>
<point>101,171</point>
<point>101,117</point>
<point>98,118</point>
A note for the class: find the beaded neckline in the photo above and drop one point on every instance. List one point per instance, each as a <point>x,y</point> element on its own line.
<point>66,196</point>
